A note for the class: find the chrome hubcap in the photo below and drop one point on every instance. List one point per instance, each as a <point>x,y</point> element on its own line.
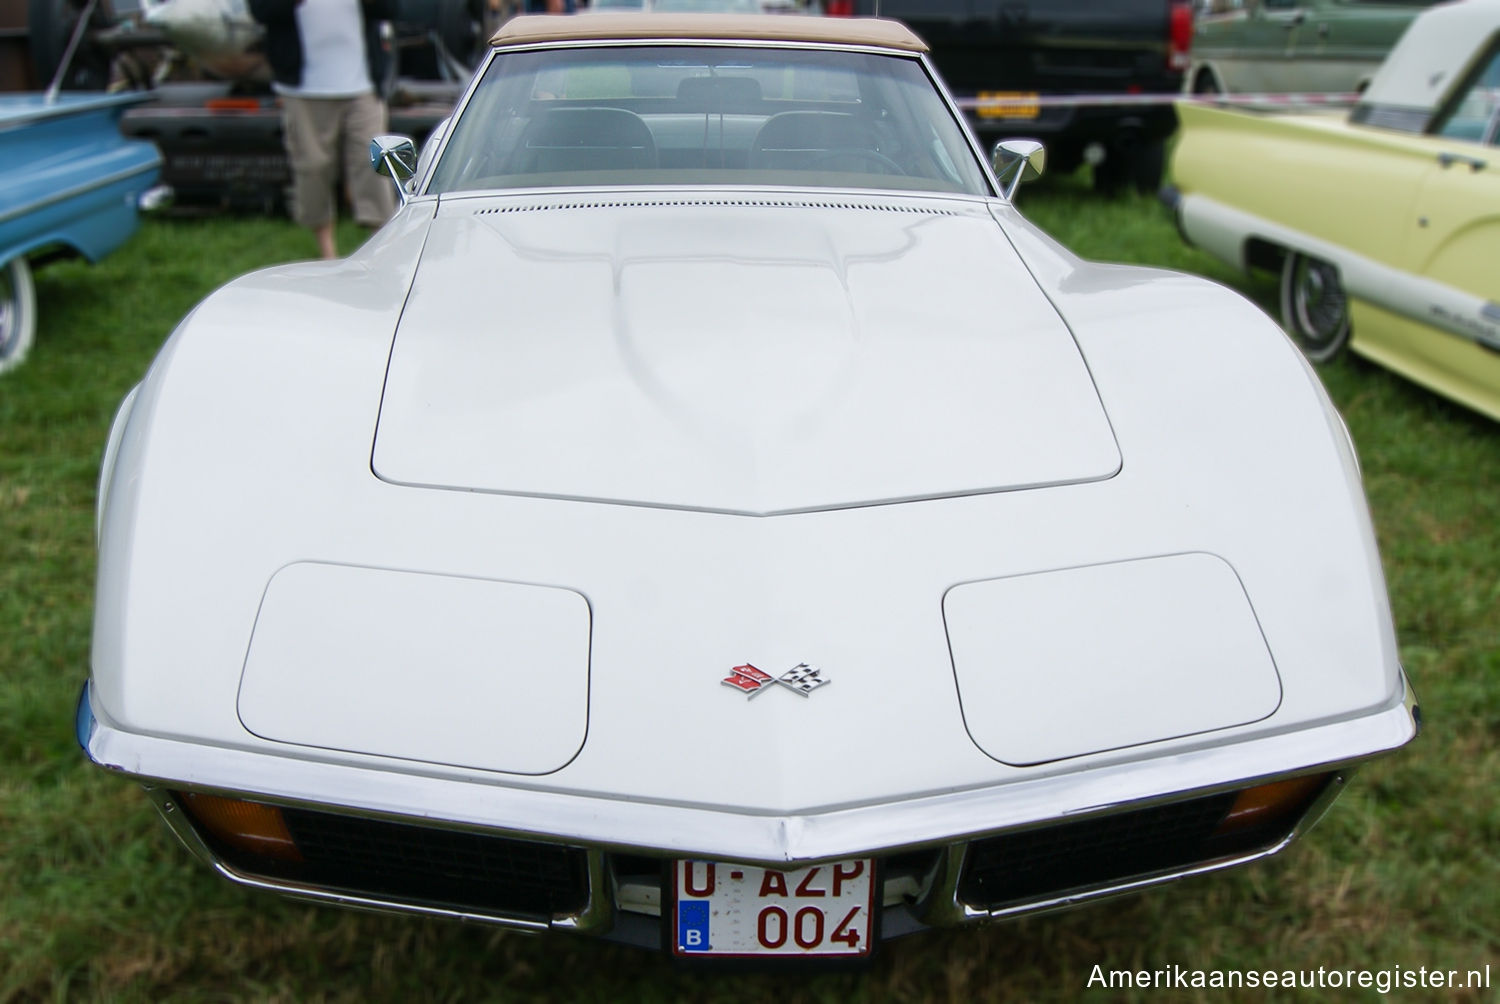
<point>1320,303</point>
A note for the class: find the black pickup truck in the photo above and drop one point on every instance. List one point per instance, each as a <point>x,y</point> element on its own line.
<point>1016,50</point>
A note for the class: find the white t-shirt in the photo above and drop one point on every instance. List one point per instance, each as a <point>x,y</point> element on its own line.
<point>333,51</point>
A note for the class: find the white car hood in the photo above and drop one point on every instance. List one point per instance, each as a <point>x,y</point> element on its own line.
<point>733,353</point>
<point>273,619</point>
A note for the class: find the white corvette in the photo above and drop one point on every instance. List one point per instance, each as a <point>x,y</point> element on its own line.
<point>709,516</point>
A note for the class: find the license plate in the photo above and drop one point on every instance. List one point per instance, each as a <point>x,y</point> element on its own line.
<point>730,910</point>
<point>1008,105</point>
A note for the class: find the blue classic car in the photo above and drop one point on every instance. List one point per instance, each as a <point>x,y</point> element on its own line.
<point>70,184</point>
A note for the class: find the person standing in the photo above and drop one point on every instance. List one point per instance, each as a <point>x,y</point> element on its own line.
<point>326,61</point>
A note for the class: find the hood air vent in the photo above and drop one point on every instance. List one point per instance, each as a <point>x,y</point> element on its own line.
<point>758,203</point>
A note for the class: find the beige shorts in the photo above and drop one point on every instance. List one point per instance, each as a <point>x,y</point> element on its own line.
<point>329,136</point>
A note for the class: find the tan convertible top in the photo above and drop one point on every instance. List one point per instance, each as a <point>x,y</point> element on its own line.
<point>605,27</point>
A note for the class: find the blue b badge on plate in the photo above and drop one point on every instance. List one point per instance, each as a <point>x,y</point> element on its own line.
<point>692,926</point>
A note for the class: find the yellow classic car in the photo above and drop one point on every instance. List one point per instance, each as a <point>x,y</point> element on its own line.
<point>1383,223</point>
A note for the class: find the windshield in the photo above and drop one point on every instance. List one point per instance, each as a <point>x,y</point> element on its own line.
<point>695,114</point>
<point>680,6</point>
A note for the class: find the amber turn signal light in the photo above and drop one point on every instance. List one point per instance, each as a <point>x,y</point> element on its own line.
<point>1277,802</point>
<point>246,826</point>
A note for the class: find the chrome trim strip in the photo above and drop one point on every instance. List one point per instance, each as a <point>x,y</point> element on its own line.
<point>597,916</point>
<point>1224,232</point>
<point>55,197</point>
<point>945,907</point>
<point>177,822</point>
<point>986,165</point>
<point>420,183</point>
<point>705,42</point>
<point>351,902</point>
<point>391,789</point>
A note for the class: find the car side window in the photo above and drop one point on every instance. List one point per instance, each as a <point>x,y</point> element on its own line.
<point>1475,116</point>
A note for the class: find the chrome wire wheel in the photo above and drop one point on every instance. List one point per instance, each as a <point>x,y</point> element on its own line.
<point>1314,307</point>
<point>17,312</point>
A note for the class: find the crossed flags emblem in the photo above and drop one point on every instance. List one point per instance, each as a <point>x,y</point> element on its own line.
<point>801,679</point>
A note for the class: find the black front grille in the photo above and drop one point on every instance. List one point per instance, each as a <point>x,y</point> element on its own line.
<point>423,864</point>
<point>1031,864</point>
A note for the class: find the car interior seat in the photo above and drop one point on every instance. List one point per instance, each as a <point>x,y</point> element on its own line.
<point>585,139</point>
<point>809,140</point>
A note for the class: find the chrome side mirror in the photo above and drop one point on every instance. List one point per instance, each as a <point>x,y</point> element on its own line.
<point>396,158</point>
<point>1017,160</point>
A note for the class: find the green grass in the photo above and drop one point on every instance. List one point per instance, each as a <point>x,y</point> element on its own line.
<point>98,902</point>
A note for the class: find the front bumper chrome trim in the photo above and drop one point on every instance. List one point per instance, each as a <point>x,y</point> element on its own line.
<point>718,834</point>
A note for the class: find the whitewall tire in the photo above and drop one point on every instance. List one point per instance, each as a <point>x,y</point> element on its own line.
<point>1314,306</point>
<point>17,312</point>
